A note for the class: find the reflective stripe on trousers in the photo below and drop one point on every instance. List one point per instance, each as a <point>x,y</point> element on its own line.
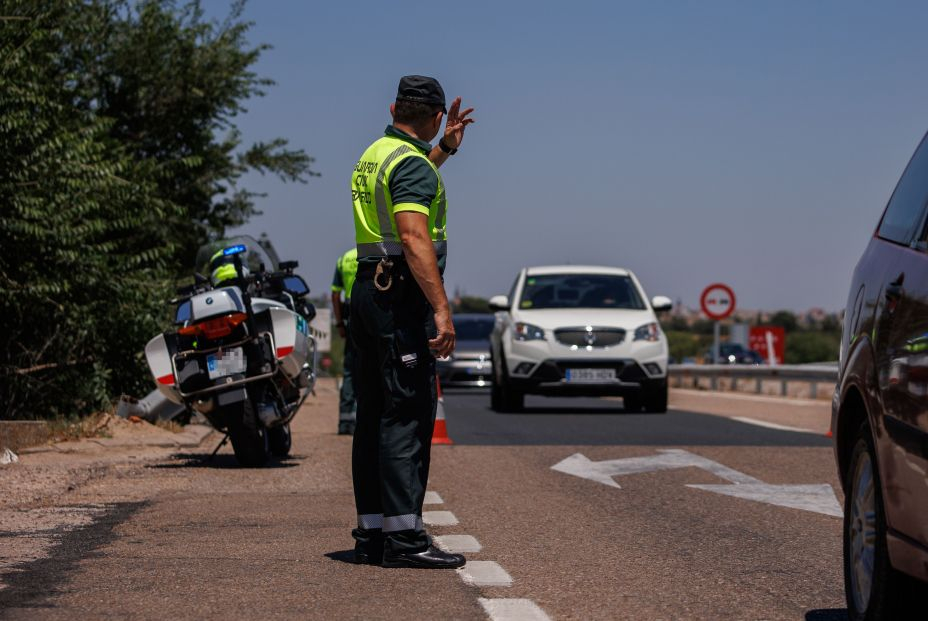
<point>392,523</point>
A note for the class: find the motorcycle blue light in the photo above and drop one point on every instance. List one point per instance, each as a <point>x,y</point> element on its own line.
<point>234,250</point>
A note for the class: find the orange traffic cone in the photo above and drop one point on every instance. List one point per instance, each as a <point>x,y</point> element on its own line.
<point>440,433</point>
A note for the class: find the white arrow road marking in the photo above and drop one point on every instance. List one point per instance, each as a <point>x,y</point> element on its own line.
<point>815,498</point>
<point>673,459</point>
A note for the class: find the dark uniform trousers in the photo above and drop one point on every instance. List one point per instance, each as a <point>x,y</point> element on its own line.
<point>397,398</point>
<point>347,402</point>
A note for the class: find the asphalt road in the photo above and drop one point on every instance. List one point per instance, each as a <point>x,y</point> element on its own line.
<point>553,421</point>
<point>618,533</point>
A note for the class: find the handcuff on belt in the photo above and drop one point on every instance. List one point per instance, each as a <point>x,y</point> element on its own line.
<point>384,269</point>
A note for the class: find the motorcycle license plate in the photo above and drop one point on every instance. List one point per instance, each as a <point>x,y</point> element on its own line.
<point>227,362</point>
<point>590,375</point>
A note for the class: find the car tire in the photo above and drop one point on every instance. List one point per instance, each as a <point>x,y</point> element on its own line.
<point>874,590</point>
<point>655,401</point>
<point>503,397</point>
<point>633,404</point>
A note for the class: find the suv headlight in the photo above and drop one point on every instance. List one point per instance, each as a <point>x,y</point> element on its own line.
<point>648,332</point>
<point>528,332</point>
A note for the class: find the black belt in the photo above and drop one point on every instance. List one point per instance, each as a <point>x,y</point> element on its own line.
<point>367,269</point>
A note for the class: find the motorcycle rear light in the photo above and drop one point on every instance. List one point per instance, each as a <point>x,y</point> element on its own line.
<point>214,328</point>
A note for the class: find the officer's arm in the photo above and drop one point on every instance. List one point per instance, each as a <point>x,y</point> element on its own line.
<point>413,230</point>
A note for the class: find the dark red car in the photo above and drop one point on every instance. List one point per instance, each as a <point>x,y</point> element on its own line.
<point>880,411</point>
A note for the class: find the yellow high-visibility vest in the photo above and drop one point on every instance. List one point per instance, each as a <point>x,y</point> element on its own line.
<point>374,223</point>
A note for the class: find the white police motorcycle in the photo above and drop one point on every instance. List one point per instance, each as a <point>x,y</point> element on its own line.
<point>241,353</point>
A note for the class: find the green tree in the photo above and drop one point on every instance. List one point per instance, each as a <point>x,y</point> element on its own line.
<point>471,304</point>
<point>81,286</point>
<point>172,83</point>
<point>785,319</point>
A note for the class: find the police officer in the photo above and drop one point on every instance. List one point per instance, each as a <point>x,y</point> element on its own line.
<point>397,303</point>
<point>346,268</point>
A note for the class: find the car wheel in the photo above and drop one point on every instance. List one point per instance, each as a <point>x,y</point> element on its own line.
<point>632,403</point>
<point>496,400</point>
<point>506,397</point>
<point>656,399</point>
<point>874,590</point>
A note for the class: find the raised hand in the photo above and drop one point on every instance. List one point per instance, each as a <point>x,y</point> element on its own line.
<point>457,121</point>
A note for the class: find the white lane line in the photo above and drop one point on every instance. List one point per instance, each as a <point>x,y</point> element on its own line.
<point>439,518</point>
<point>457,544</point>
<point>485,573</point>
<point>754,398</point>
<point>763,423</point>
<point>501,609</point>
<point>432,498</point>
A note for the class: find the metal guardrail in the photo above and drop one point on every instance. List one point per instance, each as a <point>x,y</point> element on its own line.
<point>784,373</point>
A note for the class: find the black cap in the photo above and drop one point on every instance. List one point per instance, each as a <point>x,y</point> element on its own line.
<point>421,89</point>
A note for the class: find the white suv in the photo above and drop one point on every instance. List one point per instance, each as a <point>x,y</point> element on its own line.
<point>578,330</point>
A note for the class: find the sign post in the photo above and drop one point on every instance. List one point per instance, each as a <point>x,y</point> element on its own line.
<point>717,302</point>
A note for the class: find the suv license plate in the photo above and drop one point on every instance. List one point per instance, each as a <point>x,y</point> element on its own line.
<point>590,375</point>
<point>225,363</point>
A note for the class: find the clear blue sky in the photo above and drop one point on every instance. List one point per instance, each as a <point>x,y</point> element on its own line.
<point>753,143</point>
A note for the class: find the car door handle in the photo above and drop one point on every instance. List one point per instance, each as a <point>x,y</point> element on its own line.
<point>894,290</point>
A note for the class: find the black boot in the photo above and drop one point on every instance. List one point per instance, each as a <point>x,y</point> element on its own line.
<point>432,558</point>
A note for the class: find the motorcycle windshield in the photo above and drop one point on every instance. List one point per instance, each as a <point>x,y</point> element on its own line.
<point>258,256</point>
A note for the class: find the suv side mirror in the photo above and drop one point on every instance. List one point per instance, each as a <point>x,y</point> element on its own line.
<point>499,303</point>
<point>661,303</point>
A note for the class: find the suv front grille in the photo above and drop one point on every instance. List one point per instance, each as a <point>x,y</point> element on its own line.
<point>589,337</point>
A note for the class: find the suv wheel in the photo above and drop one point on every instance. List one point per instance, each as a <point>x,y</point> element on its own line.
<point>503,396</point>
<point>874,590</point>
<point>655,400</point>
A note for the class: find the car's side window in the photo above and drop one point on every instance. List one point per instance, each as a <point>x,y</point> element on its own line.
<point>906,208</point>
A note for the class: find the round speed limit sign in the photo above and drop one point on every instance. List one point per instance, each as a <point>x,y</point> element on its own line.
<point>717,301</point>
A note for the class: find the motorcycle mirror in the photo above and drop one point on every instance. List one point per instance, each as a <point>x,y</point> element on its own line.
<point>295,285</point>
<point>289,265</point>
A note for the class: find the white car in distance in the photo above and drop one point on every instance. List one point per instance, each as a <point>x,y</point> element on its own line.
<point>573,330</point>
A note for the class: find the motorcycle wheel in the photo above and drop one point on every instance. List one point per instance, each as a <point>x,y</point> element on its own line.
<point>249,437</point>
<point>280,440</point>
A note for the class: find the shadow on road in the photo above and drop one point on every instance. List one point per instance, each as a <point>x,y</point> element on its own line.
<point>342,556</point>
<point>31,584</point>
<point>827,614</point>
<point>575,410</point>
<point>203,460</point>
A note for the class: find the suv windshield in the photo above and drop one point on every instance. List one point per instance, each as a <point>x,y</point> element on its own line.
<point>580,291</point>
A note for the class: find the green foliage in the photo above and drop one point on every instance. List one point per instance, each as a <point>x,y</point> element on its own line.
<point>173,82</point>
<point>684,344</point>
<point>812,346</point>
<point>120,157</point>
<point>784,319</point>
<point>81,286</point>
<point>470,304</point>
